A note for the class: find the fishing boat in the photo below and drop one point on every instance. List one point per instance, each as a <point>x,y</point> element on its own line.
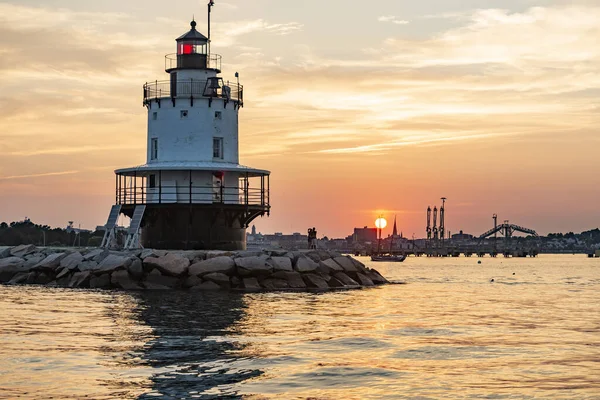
<point>389,258</point>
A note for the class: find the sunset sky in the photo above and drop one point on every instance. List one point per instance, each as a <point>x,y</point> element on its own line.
<point>357,107</point>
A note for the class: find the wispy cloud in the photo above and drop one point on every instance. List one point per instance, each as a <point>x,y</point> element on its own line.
<point>393,19</point>
<point>41,175</point>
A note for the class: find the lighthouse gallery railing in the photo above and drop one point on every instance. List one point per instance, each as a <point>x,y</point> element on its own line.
<point>192,88</point>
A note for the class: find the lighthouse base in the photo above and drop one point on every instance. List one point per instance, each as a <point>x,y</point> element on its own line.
<point>196,227</point>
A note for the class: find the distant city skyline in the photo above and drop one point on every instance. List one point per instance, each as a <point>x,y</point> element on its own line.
<point>357,109</point>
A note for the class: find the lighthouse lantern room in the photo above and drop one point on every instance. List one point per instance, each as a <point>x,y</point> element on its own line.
<point>192,193</point>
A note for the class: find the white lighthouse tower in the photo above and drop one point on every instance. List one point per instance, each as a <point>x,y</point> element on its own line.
<point>192,193</point>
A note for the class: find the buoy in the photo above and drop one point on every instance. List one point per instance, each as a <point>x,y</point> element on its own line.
<point>479,262</point>
<point>492,280</point>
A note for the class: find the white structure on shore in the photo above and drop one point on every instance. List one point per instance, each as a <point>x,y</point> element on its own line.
<point>195,192</point>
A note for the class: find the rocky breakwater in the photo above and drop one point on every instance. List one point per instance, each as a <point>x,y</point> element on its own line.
<point>267,270</point>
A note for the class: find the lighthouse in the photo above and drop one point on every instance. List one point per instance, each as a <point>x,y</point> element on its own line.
<point>191,193</point>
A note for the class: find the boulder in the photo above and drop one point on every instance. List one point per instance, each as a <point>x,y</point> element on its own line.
<point>32,277</point>
<point>331,265</point>
<point>248,253</point>
<point>172,264</point>
<point>253,266</point>
<point>122,280</point>
<point>345,279</point>
<point>218,278</point>
<point>208,285</point>
<point>281,263</point>
<point>224,265</point>
<point>359,266</point>
<point>136,270</point>
<point>335,283</point>
<point>80,280</point>
<point>100,282</point>
<point>87,266</point>
<point>155,286</point>
<point>51,262</point>
<point>251,284</point>
<point>33,259</point>
<point>274,284</point>
<point>43,279</point>
<point>293,279</point>
<point>376,277</point>
<point>218,253</point>
<point>152,253</point>
<point>346,263</point>
<point>112,263</point>
<point>4,252</point>
<point>312,254</point>
<point>23,250</point>
<point>305,265</point>
<point>19,278</point>
<point>364,280</point>
<point>64,272</point>
<point>156,278</point>
<point>64,281</point>
<point>96,253</point>
<point>278,253</point>
<point>236,282</point>
<point>192,281</point>
<point>9,267</point>
<point>315,282</point>
<point>71,261</point>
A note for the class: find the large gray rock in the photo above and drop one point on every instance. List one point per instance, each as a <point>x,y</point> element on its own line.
<point>218,278</point>
<point>23,250</point>
<point>281,264</point>
<point>312,254</point>
<point>87,266</point>
<point>208,285</point>
<point>335,283</point>
<point>9,267</point>
<point>96,255</point>
<point>305,265</point>
<point>192,281</point>
<point>4,252</point>
<point>64,272</point>
<point>172,264</point>
<point>376,277</point>
<point>346,263</point>
<point>112,263</point>
<point>100,282</point>
<point>218,253</point>
<point>224,265</point>
<point>345,279</point>
<point>19,278</point>
<point>71,261</point>
<point>275,284</point>
<point>251,284</point>
<point>43,279</point>
<point>136,270</point>
<point>51,262</point>
<point>294,279</point>
<point>331,266</point>
<point>80,280</point>
<point>152,253</point>
<point>121,279</point>
<point>315,282</point>
<point>155,286</point>
<point>33,259</point>
<point>359,266</point>
<point>156,278</point>
<point>364,280</point>
<point>253,266</point>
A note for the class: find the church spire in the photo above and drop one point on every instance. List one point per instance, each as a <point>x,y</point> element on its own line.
<point>395,231</point>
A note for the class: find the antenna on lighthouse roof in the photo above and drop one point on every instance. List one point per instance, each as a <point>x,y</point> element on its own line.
<point>211,3</point>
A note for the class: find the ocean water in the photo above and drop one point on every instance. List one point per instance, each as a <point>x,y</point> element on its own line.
<point>449,332</point>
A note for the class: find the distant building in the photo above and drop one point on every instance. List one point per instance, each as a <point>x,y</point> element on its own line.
<point>364,235</point>
<point>462,236</point>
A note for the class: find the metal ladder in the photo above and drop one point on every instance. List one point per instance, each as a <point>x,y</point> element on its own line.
<point>133,233</point>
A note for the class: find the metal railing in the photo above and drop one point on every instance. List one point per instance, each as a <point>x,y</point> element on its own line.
<point>189,194</point>
<point>191,88</point>
<point>208,61</point>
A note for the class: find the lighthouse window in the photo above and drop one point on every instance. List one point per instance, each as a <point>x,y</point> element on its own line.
<point>154,149</point>
<point>218,148</point>
<point>184,113</point>
<point>152,181</point>
<point>218,115</point>
<point>155,115</point>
